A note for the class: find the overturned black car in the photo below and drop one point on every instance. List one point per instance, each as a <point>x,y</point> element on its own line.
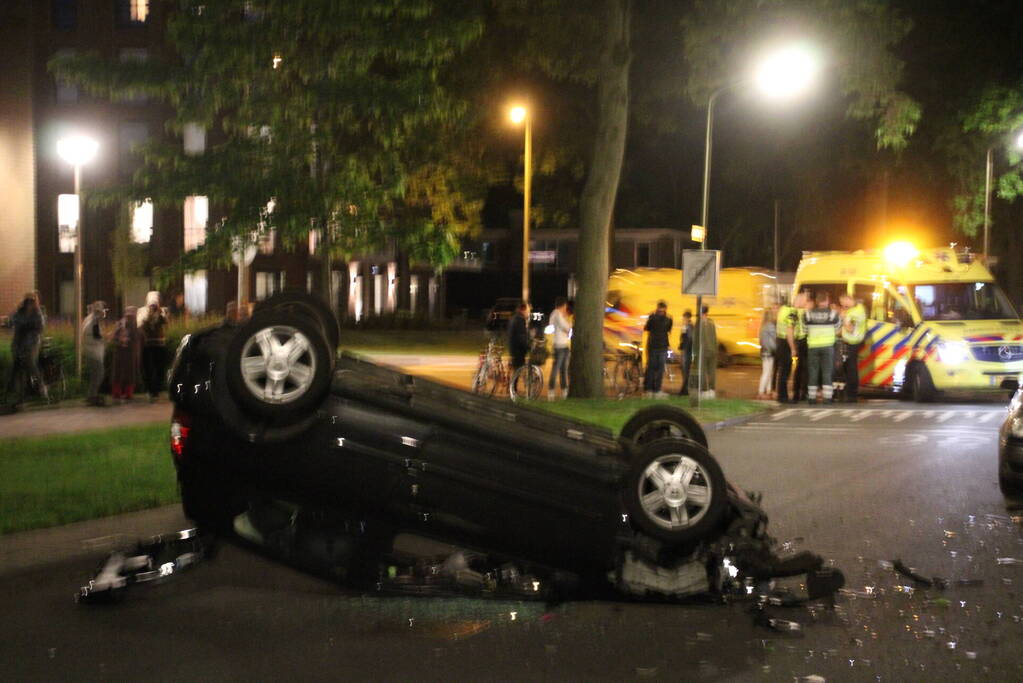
<point>346,454</point>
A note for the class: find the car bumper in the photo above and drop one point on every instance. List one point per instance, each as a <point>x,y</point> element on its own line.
<point>1010,457</point>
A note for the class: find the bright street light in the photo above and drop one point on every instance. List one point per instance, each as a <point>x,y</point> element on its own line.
<point>782,74</point>
<point>787,72</point>
<point>520,114</point>
<point>78,150</point>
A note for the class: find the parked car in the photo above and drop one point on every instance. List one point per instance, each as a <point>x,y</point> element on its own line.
<point>1010,448</point>
<point>264,411</point>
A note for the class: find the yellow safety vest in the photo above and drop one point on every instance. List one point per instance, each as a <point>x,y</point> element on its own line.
<point>800,324</point>
<point>858,315</point>
<point>782,324</point>
<point>820,324</point>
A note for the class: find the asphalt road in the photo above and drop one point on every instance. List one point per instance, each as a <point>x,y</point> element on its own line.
<point>880,481</point>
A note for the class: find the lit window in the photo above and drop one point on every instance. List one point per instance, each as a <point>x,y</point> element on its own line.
<point>197,213</point>
<point>268,283</point>
<point>266,242</point>
<point>194,138</point>
<point>67,222</point>
<point>195,292</point>
<point>142,222</point>
<point>131,12</point>
<point>314,240</point>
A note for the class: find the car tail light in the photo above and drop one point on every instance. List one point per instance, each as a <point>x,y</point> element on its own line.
<point>181,426</point>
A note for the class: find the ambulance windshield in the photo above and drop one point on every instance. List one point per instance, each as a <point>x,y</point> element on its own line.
<point>962,301</point>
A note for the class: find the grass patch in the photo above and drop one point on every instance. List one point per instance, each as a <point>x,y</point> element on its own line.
<point>614,413</point>
<point>47,481</point>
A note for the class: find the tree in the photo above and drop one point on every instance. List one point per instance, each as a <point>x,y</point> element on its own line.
<point>327,109</point>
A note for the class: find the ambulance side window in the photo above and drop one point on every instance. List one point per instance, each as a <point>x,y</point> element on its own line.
<point>895,312</point>
<point>871,303</point>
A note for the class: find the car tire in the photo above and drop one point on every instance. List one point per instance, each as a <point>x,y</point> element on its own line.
<point>658,422</point>
<point>296,301</point>
<point>675,491</point>
<point>1009,487</point>
<point>278,366</point>
<point>724,360</point>
<point>921,385</point>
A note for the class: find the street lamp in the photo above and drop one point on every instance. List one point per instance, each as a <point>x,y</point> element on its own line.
<point>78,150</point>
<point>520,114</point>
<point>988,177</point>
<point>781,74</point>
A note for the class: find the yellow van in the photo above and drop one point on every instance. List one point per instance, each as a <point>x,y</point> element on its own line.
<point>737,309</point>
<point>936,320</point>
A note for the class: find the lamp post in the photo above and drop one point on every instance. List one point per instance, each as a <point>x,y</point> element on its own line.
<point>782,74</point>
<point>78,150</point>
<point>520,114</point>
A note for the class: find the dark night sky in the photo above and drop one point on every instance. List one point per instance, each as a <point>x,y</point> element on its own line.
<point>837,189</point>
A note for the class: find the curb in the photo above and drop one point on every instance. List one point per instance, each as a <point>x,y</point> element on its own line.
<point>735,421</point>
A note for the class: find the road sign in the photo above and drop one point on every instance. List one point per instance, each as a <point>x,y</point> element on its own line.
<point>700,271</point>
<point>698,233</point>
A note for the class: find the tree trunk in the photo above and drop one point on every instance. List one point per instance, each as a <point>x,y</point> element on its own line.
<point>598,199</point>
<point>326,290</point>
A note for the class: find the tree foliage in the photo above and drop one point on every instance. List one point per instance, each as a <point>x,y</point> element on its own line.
<point>336,111</point>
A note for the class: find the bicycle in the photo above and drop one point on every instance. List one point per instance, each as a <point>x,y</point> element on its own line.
<point>51,369</point>
<point>627,373</point>
<point>491,373</point>
<point>527,381</point>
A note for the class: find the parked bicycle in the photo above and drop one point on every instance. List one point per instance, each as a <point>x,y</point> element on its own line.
<point>491,376</point>
<point>527,381</point>
<point>51,368</point>
<point>627,369</point>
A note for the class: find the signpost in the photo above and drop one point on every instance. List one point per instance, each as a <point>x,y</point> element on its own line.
<point>700,270</point>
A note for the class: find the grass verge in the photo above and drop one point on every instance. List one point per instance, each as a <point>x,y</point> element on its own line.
<point>52,480</point>
<point>614,413</point>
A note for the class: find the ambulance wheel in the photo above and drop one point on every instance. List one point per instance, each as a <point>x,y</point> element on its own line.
<point>675,491</point>
<point>920,384</point>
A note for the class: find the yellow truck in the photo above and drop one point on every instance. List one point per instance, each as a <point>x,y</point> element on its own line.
<point>737,309</point>
<point>937,321</point>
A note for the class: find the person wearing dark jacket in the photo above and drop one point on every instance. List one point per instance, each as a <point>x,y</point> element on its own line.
<point>518,336</point>
<point>154,349</point>
<point>685,347</point>
<point>657,328</point>
<point>28,324</point>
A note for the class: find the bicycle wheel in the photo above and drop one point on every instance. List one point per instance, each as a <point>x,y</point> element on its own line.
<point>527,382</point>
<point>627,377</point>
<point>479,380</point>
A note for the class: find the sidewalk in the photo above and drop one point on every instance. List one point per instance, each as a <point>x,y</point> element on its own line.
<point>75,416</point>
<point>738,381</point>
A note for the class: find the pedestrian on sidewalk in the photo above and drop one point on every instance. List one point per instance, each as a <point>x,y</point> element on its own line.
<point>685,347</point>
<point>127,343</point>
<point>94,347</point>
<point>658,326</point>
<point>518,336</point>
<point>709,354</point>
<point>768,348</point>
<point>154,349</point>
<point>562,325</point>
<point>28,323</point>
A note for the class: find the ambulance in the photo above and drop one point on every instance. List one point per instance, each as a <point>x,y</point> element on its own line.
<point>937,323</point>
<point>743,293</point>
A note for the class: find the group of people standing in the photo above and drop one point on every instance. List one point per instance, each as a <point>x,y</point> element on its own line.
<point>658,327</point>
<point>520,340</point>
<point>824,340</point>
<point>138,355</point>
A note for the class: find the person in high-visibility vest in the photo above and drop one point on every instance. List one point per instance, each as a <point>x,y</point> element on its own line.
<point>785,349</point>
<point>803,302</point>
<point>822,324</point>
<point>854,329</point>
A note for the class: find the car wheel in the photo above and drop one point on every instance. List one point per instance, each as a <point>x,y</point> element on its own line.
<point>278,365</point>
<point>675,491</point>
<point>659,422</point>
<point>922,386</point>
<point>724,360</point>
<point>300,303</point>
